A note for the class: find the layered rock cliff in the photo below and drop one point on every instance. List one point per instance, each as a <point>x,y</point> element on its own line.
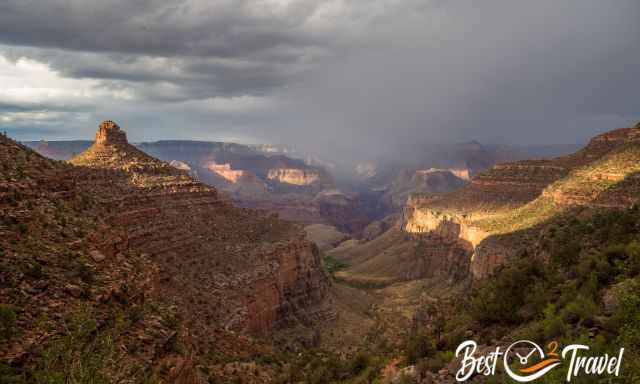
<point>174,219</point>
<point>300,177</point>
<point>150,234</point>
<point>513,199</point>
<point>432,181</point>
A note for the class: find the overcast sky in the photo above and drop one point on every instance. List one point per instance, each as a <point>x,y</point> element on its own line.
<point>338,76</point>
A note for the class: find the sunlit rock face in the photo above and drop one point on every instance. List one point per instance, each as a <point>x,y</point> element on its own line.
<point>515,199</point>
<point>300,177</point>
<point>110,133</point>
<point>180,165</point>
<point>447,226</point>
<point>462,173</point>
<point>231,175</point>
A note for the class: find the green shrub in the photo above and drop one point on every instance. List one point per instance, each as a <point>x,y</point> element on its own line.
<point>170,318</point>
<point>515,294</point>
<point>7,322</point>
<point>418,347</point>
<point>627,315</point>
<point>82,354</point>
<point>553,325</point>
<point>580,309</point>
<point>632,266</point>
<point>333,265</point>
<point>11,375</point>
<point>566,253</point>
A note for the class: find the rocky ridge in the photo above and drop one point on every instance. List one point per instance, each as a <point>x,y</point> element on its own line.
<point>151,237</point>
<point>193,219</point>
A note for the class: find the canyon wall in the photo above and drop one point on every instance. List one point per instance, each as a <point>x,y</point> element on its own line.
<point>230,258</point>
<point>296,176</point>
<point>490,217</point>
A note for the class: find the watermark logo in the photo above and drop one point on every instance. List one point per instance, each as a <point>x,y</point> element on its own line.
<point>525,361</point>
<point>528,353</point>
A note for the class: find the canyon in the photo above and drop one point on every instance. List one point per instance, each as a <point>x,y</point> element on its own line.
<point>300,187</point>
<point>115,229</point>
<point>450,262</point>
<point>149,238</point>
<point>476,228</point>
<point>258,177</point>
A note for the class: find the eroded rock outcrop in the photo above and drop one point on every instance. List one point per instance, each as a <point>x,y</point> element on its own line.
<point>109,133</point>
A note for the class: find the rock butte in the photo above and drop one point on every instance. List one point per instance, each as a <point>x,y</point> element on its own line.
<point>109,133</point>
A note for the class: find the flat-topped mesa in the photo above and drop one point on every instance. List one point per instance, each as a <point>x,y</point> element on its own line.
<point>110,133</point>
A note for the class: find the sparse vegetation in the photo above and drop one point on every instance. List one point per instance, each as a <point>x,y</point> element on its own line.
<point>323,367</point>
<point>333,265</point>
<point>83,353</point>
<point>418,347</point>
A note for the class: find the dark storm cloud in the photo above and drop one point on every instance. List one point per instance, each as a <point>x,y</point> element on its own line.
<point>155,27</point>
<point>514,72</point>
<point>204,48</point>
<point>364,78</point>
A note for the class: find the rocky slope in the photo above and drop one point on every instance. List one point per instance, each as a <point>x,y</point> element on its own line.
<point>120,230</point>
<point>513,199</point>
